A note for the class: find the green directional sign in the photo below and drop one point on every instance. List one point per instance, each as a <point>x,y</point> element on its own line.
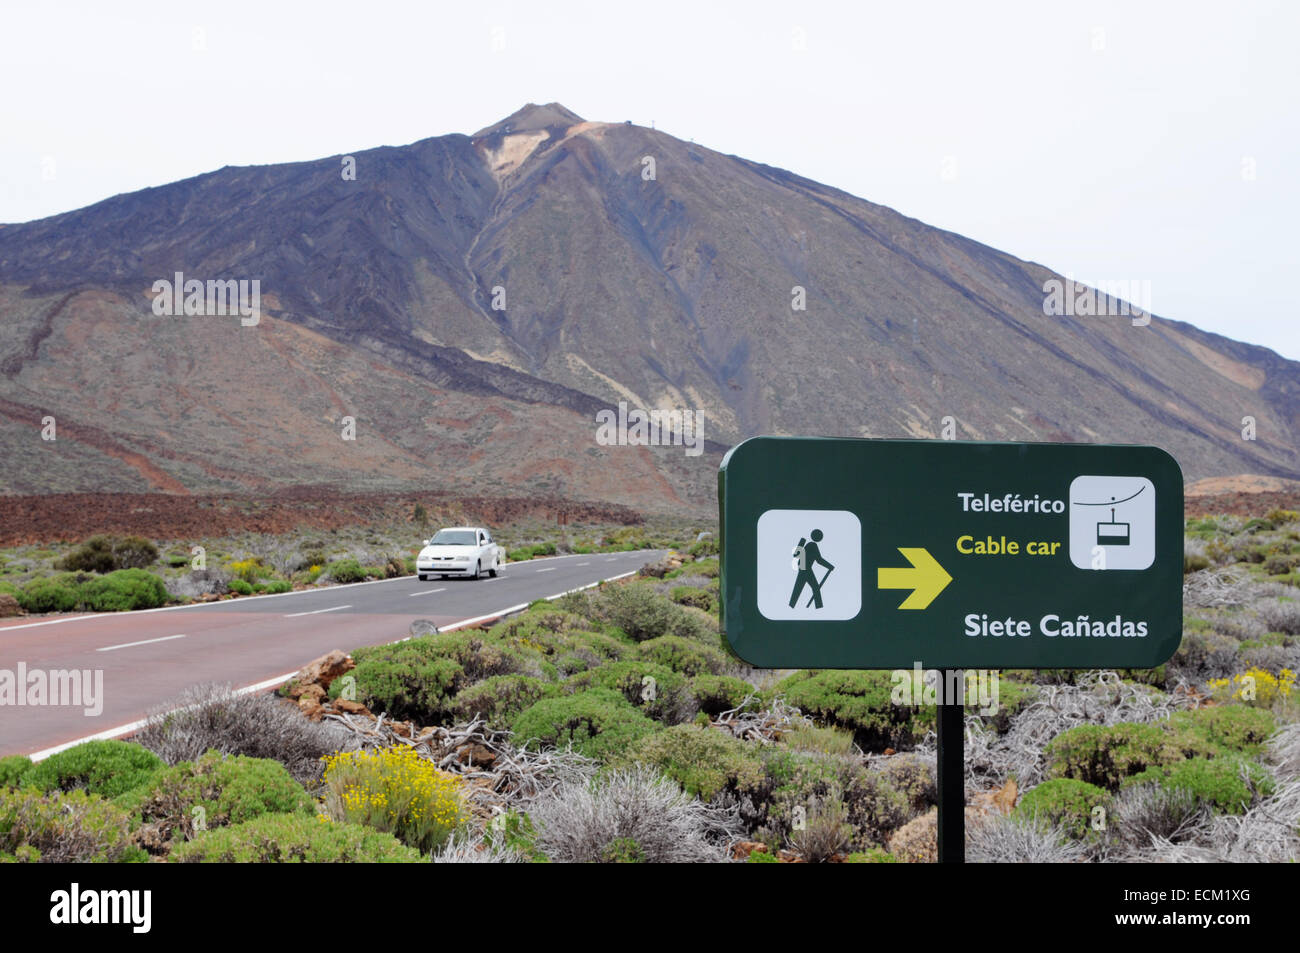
<point>840,553</point>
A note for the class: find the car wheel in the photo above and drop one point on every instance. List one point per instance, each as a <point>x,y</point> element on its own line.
<point>442,575</point>
<point>478,569</point>
<point>493,571</point>
<point>423,577</point>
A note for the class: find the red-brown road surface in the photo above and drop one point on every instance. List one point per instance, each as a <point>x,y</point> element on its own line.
<point>147,658</point>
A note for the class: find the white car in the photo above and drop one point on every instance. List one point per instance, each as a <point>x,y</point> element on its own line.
<point>459,551</point>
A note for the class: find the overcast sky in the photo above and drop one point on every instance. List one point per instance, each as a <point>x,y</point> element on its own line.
<point>1109,141</point>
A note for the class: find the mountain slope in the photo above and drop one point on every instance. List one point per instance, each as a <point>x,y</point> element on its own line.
<point>671,290</point>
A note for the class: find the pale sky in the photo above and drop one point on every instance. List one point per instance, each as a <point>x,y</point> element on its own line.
<point>1111,141</point>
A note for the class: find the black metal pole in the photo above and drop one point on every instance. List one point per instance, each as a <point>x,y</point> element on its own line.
<point>951,770</point>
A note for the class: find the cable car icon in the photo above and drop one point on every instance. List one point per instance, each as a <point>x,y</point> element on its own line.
<point>1113,533</point>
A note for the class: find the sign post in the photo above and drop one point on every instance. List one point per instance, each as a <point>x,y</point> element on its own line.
<point>893,554</point>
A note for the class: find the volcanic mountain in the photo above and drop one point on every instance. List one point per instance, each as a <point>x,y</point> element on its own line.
<point>467,304</point>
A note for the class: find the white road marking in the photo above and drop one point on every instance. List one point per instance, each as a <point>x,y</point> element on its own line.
<point>429,592</point>
<point>584,564</point>
<point>552,569</point>
<point>127,645</point>
<point>294,615</point>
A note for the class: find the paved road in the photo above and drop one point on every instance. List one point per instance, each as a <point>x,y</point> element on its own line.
<point>148,657</point>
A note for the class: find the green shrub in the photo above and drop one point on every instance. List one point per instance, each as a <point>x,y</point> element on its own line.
<point>1066,803</point>
<point>690,596</point>
<point>294,839</point>
<point>123,591</point>
<point>1105,755</point>
<point>636,609</point>
<point>346,571</point>
<point>704,761</point>
<point>599,723</point>
<point>275,586</point>
<point>761,857</point>
<point>1216,782</point>
<point>714,694</point>
<point>12,769</point>
<point>418,679</point>
<point>1193,562</point>
<point>104,554</point>
<point>240,586</point>
<point>796,780</point>
<point>1234,728</point>
<point>623,850</point>
<point>228,789</point>
<point>499,700</point>
<point>53,594</point>
<point>683,655</point>
<point>873,856</point>
<point>658,691</point>
<point>708,546</point>
<point>107,768</point>
<point>861,702</point>
<point>63,827</point>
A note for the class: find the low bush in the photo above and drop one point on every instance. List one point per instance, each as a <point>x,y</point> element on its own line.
<point>63,827</point>
<point>103,554</point>
<point>123,591</point>
<point>294,839</point>
<point>499,700</point>
<point>636,609</point>
<point>704,761</point>
<point>1233,728</point>
<point>714,694</point>
<point>346,571</point>
<point>1105,755</point>
<point>825,832</point>
<point>861,702</point>
<point>599,821</point>
<point>598,723</point>
<point>656,690</point>
<point>1067,804</point>
<point>213,717</point>
<point>106,768</point>
<point>419,679</point>
<point>12,769</point>
<point>51,594</point>
<point>1256,686</point>
<point>690,596</point>
<point>683,655</point>
<point>226,789</point>
<point>1228,785</point>
<point>396,791</point>
<point>797,779</point>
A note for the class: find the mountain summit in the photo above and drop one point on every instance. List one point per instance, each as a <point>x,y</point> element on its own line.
<point>471,302</point>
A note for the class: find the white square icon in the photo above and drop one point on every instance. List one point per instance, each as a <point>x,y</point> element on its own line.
<point>809,564</point>
<point>1112,522</point>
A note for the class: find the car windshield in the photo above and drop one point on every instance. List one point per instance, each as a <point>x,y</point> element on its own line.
<point>453,537</point>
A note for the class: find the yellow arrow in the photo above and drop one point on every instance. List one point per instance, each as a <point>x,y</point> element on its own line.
<point>926,578</point>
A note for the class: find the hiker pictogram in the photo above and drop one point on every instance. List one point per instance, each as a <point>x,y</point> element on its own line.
<point>791,578</point>
<point>808,556</point>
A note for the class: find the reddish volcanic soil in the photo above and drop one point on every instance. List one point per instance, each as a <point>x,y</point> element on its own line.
<point>67,517</point>
<point>1241,504</point>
